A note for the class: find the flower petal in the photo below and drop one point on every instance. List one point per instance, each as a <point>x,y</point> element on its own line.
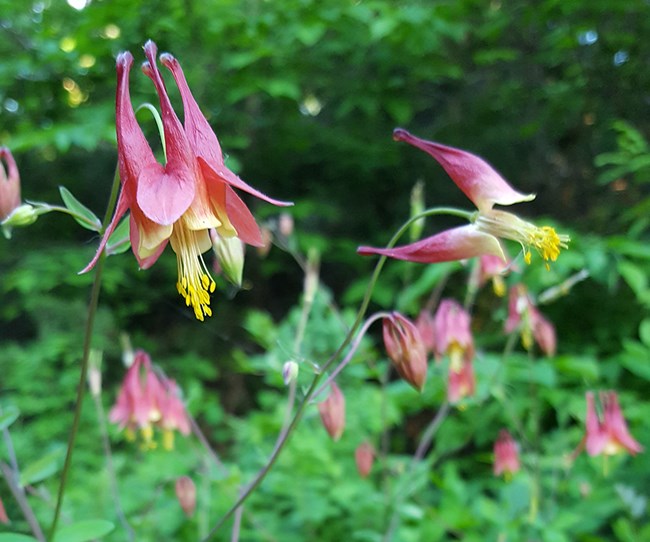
<point>202,138</point>
<point>474,176</point>
<point>143,241</point>
<point>164,194</point>
<point>454,244</point>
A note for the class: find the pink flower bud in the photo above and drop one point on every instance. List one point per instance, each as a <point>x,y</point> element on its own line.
<point>405,348</point>
<point>289,372</point>
<point>506,455</point>
<point>364,456</point>
<point>186,495</point>
<point>332,412</point>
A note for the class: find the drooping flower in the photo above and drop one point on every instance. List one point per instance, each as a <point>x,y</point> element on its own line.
<point>461,381</point>
<point>607,434</point>
<point>180,201</point>
<point>506,455</point>
<point>485,188</point>
<point>493,268</point>
<point>453,338</point>
<point>186,494</point>
<point>9,184</point>
<point>147,400</point>
<point>332,412</point>
<point>406,349</point>
<point>452,332</point>
<point>364,457</point>
<point>12,213</point>
<point>524,316</point>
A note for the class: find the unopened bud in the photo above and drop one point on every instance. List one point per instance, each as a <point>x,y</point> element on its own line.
<point>95,373</point>
<point>230,253</point>
<point>285,224</point>
<point>186,495</point>
<point>267,242</point>
<point>289,372</point>
<point>364,456</point>
<point>311,275</point>
<point>23,215</point>
<point>406,349</point>
<point>332,412</point>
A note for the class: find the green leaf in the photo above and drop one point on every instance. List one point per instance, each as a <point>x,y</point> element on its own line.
<point>8,415</point>
<point>82,531</point>
<point>15,537</point>
<point>634,276</point>
<point>119,240</point>
<point>84,216</point>
<point>42,468</point>
<point>644,332</point>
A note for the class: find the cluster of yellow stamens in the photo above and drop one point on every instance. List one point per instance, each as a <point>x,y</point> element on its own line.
<point>545,240</point>
<point>194,281</point>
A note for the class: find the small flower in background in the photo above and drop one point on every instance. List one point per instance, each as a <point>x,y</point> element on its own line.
<point>186,494</point>
<point>453,338</point>
<point>425,324</point>
<point>289,372</point>
<point>332,412</point>
<point>285,225</point>
<point>179,202</point>
<point>461,381</point>
<point>493,268</point>
<point>406,349</point>
<point>524,316</point>
<point>364,457</point>
<point>452,332</point>
<point>506,455</point>
<point>12,213</point>
<point>607,434</point>
<point>146,401</point>
<point>485,188</point>
<point>3,514</point>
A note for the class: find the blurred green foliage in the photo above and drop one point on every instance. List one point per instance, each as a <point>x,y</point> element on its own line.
<point>304,95</point>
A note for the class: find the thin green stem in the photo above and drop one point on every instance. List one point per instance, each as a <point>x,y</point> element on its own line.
<point>88,334</point>
<point>286,433</point>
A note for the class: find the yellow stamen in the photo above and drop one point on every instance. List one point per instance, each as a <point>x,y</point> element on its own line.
<point>168,439</point>
<point>194,281</point>
<point>545,240</point>
<point>456,353</point>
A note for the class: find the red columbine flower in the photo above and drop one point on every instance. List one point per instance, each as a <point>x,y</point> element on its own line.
<point>524,316</point>
<point>453,338</point>
<point>332,412</point>
<point>406,349</point>
<point>485,188</point>
<point>186,494</point>
<point>147,400</point>
<point>506,455</point>
<point>180,201</point>
<point>607,434</point>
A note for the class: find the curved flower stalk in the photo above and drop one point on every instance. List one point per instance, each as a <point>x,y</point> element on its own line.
<point>485,188</point>
<point>180,201</point>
